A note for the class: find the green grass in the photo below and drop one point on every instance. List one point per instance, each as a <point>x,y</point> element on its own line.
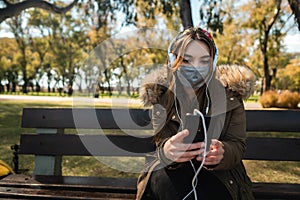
<point>253,98</point>
<point>268,171</point>
<point>10,130</point>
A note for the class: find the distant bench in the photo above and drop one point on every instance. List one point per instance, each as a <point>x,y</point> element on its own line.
<point>50,143</point>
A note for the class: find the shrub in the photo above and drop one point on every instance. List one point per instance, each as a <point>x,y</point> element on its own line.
<point>268,99</point>
<point>284,99</point>
<point>288,99</point>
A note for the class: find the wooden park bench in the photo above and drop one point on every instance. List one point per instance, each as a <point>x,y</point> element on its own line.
<point>50,143</point>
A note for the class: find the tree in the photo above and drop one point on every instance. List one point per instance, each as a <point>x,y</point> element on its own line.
<point>9,66</point>
<point>266,19</point>
<point>21,36</point>
<point>233,41</point>
<point>10,9</point>
<point>66,40</point>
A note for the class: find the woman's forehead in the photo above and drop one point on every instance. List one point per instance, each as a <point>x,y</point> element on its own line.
<point>197,47</point>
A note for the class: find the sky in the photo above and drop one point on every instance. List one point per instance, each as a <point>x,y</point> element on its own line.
<point>292,42</point>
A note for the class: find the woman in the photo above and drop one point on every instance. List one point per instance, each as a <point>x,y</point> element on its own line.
<point>192,82</point>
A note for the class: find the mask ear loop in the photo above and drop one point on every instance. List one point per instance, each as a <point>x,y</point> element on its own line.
<point>214,69</point>
<point>176,108</point>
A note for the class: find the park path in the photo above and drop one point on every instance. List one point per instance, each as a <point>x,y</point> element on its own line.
<point>85,100</point>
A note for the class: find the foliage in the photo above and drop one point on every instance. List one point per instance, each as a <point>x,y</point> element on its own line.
<point>280,99</point>
<point>233,40</point>
<point>269,99</point>
<point>289,76</point>
<point>212,15</point>
<point>8,65</point>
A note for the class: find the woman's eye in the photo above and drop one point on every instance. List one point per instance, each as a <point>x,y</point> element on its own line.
<point>185,61</point>
<point>205,61</point>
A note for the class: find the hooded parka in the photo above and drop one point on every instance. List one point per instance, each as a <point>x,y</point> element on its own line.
<point>232,84</point>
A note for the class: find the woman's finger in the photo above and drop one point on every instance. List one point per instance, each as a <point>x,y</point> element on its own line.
<point>179,136</point>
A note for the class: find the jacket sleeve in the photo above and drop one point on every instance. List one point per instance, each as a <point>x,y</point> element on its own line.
<point>233,138</point>
<point>159,121</point>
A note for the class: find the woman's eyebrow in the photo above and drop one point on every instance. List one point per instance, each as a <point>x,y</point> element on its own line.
<point>190,56</point>
<point>187,56</point>
<point>206,56</point>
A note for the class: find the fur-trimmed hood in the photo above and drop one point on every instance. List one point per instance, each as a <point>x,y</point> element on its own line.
<point>237,78</point>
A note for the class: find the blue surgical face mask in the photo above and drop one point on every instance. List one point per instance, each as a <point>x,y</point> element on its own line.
<point>194,77</point>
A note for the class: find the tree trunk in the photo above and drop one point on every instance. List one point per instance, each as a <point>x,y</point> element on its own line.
<point>24,71</point>
<point>107,78</point>
<point>268,77</point>
<point>128,88</point>
<point>8,87</point>
<point>186,13</point>
<point>264,47</point>
<point>267,84</point>
<point>295,6</point>
<point>25,79</point>
<point>120,85</point>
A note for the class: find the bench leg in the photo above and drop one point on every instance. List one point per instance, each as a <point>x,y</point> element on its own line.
<point>48,165</point>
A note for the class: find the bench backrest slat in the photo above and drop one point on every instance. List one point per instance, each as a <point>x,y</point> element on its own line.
<point>257,120</point>
<point>85,145</point>
<point>275,149</point>
<point>86,118</point>
<point>273,120</point>
<point>258,148</point>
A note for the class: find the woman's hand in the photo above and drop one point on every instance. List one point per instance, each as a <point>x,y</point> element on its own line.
<point>177,151</point>
<point>215,155</point>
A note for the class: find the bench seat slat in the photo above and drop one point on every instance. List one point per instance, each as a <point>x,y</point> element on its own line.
<point>38,193</point>
<point>68,187</point>
<point>79,183</point>
<point>110,188</point>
